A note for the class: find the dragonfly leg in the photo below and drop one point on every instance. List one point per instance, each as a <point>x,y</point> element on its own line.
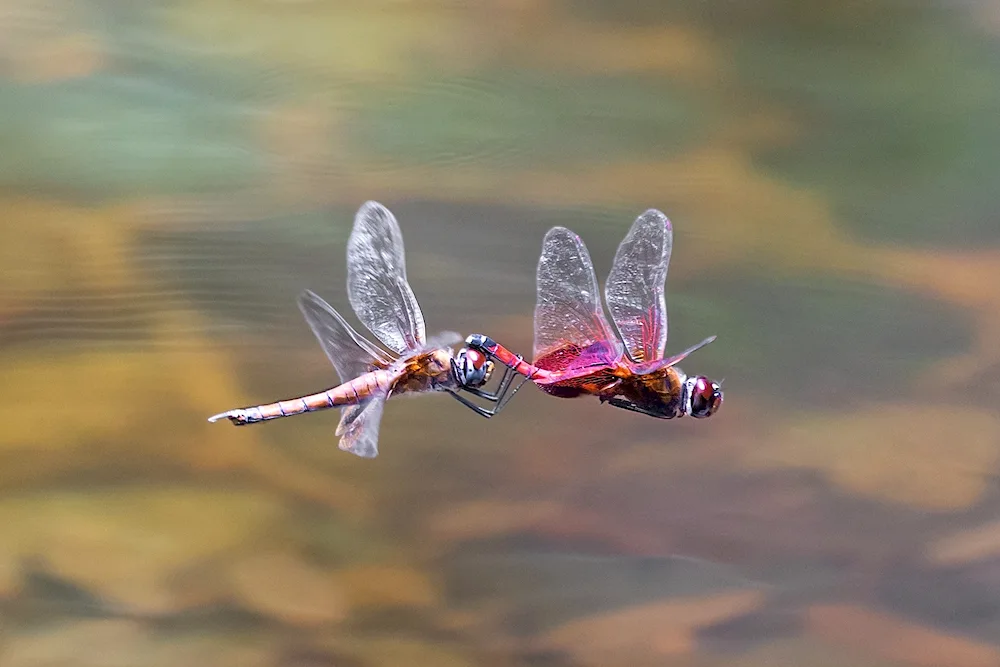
<point>507,393</point>
<point>508,376</point>
<point>478,409</point>
<point>499,354</point>
<point>629,405</point>
<point>500,398</point>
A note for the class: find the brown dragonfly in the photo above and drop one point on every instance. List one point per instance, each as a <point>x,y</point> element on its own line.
<point>382,299</point>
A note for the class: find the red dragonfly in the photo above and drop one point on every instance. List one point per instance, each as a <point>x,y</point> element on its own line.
<point>382,299</point>
<point>576,350</point>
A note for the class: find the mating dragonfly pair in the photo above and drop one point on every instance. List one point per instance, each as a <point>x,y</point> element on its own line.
<point>576,351</point>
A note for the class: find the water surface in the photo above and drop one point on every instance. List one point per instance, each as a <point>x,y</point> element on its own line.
<point>173,175</point>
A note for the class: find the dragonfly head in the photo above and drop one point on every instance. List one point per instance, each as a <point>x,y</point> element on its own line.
<point>472,368</point>
<point>704,397</point>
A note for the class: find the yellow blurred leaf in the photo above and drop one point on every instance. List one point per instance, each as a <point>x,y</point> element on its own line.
<point>364,41</point>
<point>930,456</point>
<point>140,411</point>
<point>489,518</point>
<point>127,643</point>
<point>58,246</point>
<point>377,586</point>
<point>124,544</point>
<point>897,639</point>
<point>637,635</point>
<point>801,652</point>
<point>66,410</point>
<point>590,47</point>
<point>409,652</point>
<point>287,588</point>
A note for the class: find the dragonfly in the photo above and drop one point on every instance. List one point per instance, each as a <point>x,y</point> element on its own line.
<point>410,363</point>
<point>576,351</point>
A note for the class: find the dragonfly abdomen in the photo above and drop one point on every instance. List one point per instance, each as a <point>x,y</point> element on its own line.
<point>349,393</point>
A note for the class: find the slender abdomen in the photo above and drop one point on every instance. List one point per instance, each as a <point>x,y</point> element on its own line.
<point>545,371</point>
<point>349,393</point>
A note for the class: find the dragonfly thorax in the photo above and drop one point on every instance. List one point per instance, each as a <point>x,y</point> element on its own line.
<point>659,393</point>
<point>428,371</point>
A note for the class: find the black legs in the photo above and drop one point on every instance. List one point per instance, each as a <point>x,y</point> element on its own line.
<point>498,398</point>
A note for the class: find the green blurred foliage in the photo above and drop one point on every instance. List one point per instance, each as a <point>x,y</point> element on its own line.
<point>893,103</point>
<point>528,120</point>
<point>812,341</point>
<point>110,136</point>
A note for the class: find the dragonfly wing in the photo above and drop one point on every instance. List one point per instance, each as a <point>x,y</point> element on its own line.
<point>576,371</point>
<point>348,415</point>
<point>359,427</point>
<point>680,356</point>
<point>568,310</point>
<point>376,280</point>
<point>350,353</point>
<point>634,290</point>
<point>443,339</point>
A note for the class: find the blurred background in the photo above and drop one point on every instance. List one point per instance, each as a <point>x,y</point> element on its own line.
<point>173,174</point>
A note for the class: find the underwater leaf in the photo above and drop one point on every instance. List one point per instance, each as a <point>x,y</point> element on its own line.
<point>898,639</point>
<point>645,633</point>
<point>932,457</point>
<point>286,587</point>
<point>124,544</point>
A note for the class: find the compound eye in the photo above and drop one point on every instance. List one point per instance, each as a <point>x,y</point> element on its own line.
<point>475,358</point>
<point>706,397</point>
<point>474,368</point>
<point>716,400</point>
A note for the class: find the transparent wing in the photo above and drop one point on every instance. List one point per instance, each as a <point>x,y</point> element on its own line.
<point>350,353</point>
<point>568,313</point>
<point>681,356</point>
<point>634,291</point>
<point>348,415</point>
<point>376,279</point>
<point>359,427</point>
<point>672,360</point>
<point>443,339</point>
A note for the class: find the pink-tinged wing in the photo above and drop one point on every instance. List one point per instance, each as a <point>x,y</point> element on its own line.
<point>680,356</point>
<point>359,427</point>
<point>350,353</point>
<point>634,290</point>
<point>672,360</point>
<point>570,328</point>
<point>376,280</point>
<point>570,363</point>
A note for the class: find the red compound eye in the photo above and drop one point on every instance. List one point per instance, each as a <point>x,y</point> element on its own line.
<point>706,397</point>
<point>703,388</point>
<point>476,358</point>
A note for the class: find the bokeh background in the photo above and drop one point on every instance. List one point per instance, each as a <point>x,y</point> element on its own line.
<point>173,174</point>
